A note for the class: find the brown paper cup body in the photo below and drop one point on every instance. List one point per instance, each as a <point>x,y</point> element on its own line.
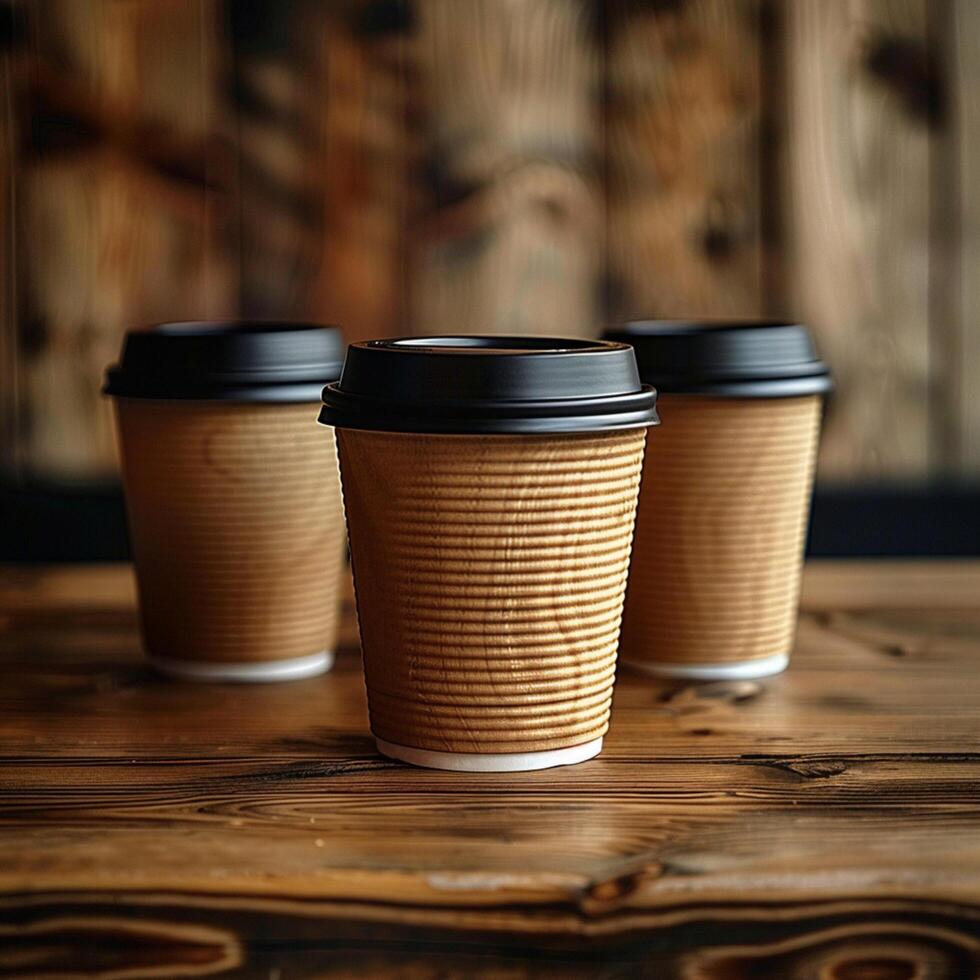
<point>237,529</point>
<point>489,573</point>
<point>720,531</point>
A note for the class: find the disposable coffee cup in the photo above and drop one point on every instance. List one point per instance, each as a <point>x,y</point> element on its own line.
<point>490,486</point>
<point>233,497</point>
<point>715,577</point>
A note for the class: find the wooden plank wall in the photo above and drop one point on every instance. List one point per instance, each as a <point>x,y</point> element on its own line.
<point>497,165</point>
<point>370,148</point>
<point>684,157</point>
<point>858,147</point>
<point>962,39</point>
<point>508,237</point>
<point>11,30</point>
<point>114,217</point>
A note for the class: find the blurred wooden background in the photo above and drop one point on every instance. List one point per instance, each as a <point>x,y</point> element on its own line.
<point>496,165</point>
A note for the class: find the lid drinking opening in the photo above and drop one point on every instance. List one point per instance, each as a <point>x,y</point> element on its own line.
<point>463,344</point>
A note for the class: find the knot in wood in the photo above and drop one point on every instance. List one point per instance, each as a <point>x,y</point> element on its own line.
<point>817,768</point>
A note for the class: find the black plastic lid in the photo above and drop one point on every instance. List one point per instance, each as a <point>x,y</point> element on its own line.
<point>476,384</point>
<point>742,359</point>
<point>228,361</point>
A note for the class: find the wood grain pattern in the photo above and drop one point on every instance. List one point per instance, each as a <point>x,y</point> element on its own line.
<point>277,89</point>
<point>369,159</point>
<point>490,575</point>
<point>823,823</point>
<point>721,527</point>
<point>9,398</point>
<point>858,176</point>
<point>116,225</point>
<point>275,94</point>
<point>508,240</point>
<point>683,159</point>
<point>964,355</point>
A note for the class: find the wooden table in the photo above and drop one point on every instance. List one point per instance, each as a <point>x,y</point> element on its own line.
<point>825,823</point>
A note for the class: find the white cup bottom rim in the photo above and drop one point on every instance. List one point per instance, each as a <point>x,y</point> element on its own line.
<point>261,672</point>
<point>739,670</point>
<point>491,761</point>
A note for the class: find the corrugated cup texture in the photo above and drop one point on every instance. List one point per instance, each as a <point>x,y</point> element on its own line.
<point>720,530</point>
<point>237,528</point>
<point>490,573</point>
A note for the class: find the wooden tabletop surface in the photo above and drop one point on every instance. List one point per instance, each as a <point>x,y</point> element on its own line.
<point>823,823</point>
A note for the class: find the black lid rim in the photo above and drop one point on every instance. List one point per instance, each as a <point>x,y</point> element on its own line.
<point>732,371</point>
<point>345,410</point>
<point>567,426</point>
<point>680,327</point>
<point>282,394</point>
<point>478,383</point>
<point>218,327</point>
<point>296,380</point>
<point>788,387</point>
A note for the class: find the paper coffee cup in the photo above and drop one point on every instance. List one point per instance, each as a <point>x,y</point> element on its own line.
<point>490,539</point>
<point>233,498</point>
<point>715,575</point>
